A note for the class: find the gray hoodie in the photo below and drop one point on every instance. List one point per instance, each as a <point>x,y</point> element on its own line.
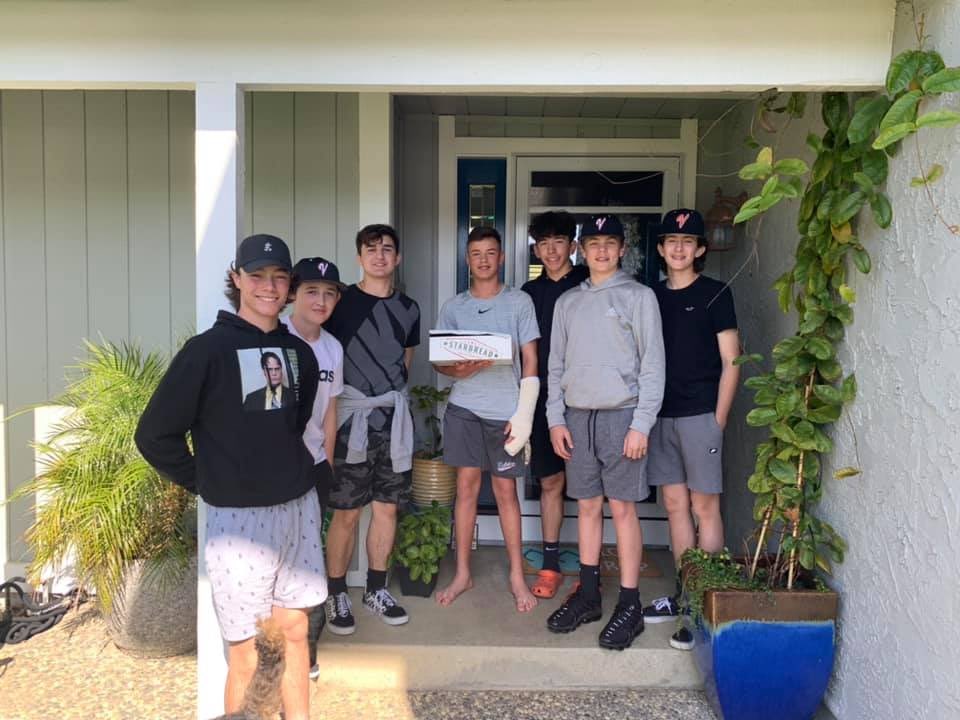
<point>606,351</point>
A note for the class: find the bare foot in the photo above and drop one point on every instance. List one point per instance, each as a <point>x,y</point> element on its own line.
<point>455,589</point>
<point>525,599</point>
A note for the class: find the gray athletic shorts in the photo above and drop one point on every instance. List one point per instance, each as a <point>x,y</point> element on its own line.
<point>598,466</point>
<point>261,557</point>
<point>471,441</point>
<point>687,450</point>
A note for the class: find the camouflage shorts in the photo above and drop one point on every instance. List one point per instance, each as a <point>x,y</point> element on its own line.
<point>357,484</point>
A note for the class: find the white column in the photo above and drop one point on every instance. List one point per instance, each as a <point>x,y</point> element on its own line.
<point>219,204</point>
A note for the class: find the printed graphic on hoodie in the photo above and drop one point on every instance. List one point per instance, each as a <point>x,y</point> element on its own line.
<point>268,382</point>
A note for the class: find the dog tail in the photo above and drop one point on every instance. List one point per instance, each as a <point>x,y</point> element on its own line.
<point>262,698</point>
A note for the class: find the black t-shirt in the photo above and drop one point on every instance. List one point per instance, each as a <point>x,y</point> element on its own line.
<point>544,292</point>
<point>692,317</point>
<point>375,332</point>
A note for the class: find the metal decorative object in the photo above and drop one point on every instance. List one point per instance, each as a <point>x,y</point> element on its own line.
<point>33,618</point>
<point>721,232</point>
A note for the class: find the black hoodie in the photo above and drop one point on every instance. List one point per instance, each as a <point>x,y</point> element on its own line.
<point>244,455</point>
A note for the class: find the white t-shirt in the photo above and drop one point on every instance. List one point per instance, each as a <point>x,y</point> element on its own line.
<point>329,354</point>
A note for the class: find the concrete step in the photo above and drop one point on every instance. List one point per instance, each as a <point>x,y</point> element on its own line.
<point>482,643</point>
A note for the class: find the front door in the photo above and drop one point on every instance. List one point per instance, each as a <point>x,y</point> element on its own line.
<point>639,190</point>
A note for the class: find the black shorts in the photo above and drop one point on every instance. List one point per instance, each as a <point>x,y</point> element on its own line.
<point>543,460</point>
<point>357,484</point>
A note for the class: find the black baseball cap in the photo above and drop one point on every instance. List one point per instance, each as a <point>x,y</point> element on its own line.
<point>682,221</point>
<point>317,269</point>
<point>258,251</point>
<point>602,225</point>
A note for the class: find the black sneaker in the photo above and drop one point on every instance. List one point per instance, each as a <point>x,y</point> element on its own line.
<point>576,610</point>
<point>382,604</point>
<point>662,610</point>
<point>624,625</point>
<point>339,614</point>
<point>682,639</point>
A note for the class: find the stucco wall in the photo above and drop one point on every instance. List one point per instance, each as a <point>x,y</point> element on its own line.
<point>897,650</point>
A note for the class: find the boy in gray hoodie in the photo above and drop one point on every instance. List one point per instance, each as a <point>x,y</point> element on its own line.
<point>605,387</point>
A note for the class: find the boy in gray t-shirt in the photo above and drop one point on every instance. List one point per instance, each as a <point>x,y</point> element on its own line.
<point>490,412</point>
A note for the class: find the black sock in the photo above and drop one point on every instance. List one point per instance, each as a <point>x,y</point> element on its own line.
<point>551,555</point>
<point>376,579</point>
<point>629,596</point>
<point>590,581</point>
<point>337,584</point>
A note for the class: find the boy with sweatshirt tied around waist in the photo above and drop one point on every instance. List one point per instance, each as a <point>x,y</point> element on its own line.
<point>605,387</point>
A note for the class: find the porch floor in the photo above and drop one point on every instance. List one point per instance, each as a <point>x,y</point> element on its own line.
<point>481,642</point>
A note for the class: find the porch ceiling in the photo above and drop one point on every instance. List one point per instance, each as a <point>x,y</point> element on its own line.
<point>705,108</point>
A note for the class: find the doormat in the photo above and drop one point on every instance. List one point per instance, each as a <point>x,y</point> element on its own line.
<point>570,562</point>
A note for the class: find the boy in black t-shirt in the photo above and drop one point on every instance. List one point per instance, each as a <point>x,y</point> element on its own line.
<point>686,445</point>
<point>378,327</point>
<point>554,236</point>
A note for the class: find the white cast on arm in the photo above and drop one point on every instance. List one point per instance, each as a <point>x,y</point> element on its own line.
<point>522,421</point>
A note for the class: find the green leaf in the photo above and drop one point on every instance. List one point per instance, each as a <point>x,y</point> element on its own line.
<point>758,417</point>
<point>757,382</point>
<point>844,313</point>
<point>930,63</point>
<point>846,472</point>
<point>866,119</point>
<point>792,188</point>
<point>820,348</point>
<point>783,432</point>
<point>765,156</point>
<point>759,483</point>
<point>834,110</point>
<point>787,403</point>
<point>814,142</point>
<point>862,260</point>
<point>904,110</point>
<point>947,80</point>
<point>783,471</point>
<point>903,69</point>
<point>791,166</point>
<point>882,212</point>
<point>824,414</point>
<point>788,347</point>
<point>770,185</point>
<point>828,394</point>
<point>847,293</point>
<point>821,167</point>
<point>807,558</point>
<point>874,165</point>
<point>765,396</point>
<point>848,388</point>
<point>893,134</point>
<point>756,171</point>
<point>829,369</point>
<point>812,319</point>
<point>864,181</point>
<point>746,214</point>
<point>939,118</point>
<point>932,175</point>
<point>752,357</point>
<point>846,208</point>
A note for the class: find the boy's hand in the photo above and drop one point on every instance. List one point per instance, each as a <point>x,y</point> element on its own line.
<point>722,422</point>
<point>562,441</point>
<point>465,368</point>
<point>634,445</point>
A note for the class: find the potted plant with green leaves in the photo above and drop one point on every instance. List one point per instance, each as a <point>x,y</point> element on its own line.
<point>129,535</point>
<point>432,480</point>
<point>765,624</point>
<point>423,537</point>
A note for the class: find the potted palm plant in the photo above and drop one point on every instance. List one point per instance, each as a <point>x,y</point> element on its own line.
<point>432,479</point>
<point>423,538</point>
<point>129,535</point>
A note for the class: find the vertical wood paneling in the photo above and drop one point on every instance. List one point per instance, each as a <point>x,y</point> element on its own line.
<point>148,205</point>
<point>272,153</point>
<point>65,232</point>
<point>106,186</point>
<point>248,162</point>
<point>23,287</point>
<point>182,233</point>
<point>348,160</point>
<point>315,174</point>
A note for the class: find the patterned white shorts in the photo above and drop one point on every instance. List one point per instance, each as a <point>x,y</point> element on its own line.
<point>258,558</point>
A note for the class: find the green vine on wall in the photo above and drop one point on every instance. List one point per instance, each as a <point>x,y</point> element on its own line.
<point>807,388</point>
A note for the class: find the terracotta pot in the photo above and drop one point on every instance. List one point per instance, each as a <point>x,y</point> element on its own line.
<point>433,480</point>
<point>149,619</point>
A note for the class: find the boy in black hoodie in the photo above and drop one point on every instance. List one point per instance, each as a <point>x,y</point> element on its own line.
<point>250,465</point>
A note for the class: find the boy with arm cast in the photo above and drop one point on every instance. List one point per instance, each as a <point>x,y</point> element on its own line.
<point>686,445</point>
<point>250,465</point>
<point>606,376</point>
<point>554,236</point>
<point>478,434</point>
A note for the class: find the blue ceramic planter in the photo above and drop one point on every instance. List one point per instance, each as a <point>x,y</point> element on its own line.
<point>761,668</point>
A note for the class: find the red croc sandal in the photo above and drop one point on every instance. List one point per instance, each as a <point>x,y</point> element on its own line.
<point>547,583</point>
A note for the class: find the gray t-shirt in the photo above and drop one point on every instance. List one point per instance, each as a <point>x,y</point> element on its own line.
<point>492,393</point>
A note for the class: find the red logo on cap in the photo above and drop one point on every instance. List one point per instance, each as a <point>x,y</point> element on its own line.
<point>682,219</point>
